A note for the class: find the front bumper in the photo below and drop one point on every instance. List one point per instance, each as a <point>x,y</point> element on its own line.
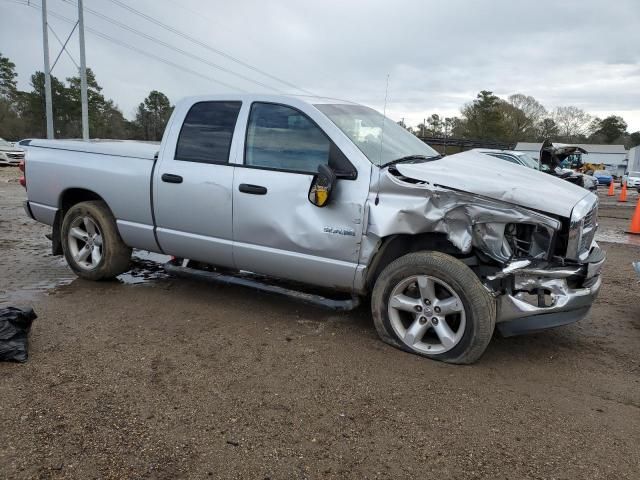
<point>571,292</point>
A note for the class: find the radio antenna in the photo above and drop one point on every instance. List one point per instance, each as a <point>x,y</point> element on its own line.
<point>384,117</point>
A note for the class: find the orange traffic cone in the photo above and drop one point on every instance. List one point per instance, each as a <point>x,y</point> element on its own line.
<point>623,193</point>
<point>610,192</point>
<point>635,221</point>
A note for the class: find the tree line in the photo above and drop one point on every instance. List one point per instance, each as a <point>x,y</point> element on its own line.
<point>523,118</point>
<point>22,113</point>
<point>488,117</point>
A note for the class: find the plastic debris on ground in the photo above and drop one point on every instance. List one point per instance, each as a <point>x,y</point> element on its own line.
<point>15,324</point>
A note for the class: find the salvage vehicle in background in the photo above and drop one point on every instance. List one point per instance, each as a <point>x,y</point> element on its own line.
<point>603,176</point>
<point>565,161</point>
<point>10,155</point>
<point>631,179</point>
<point>526,160</point>
<point>331,194</point>
<point>519,158</point>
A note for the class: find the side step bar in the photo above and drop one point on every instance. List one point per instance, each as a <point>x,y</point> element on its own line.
<point>186,272</point>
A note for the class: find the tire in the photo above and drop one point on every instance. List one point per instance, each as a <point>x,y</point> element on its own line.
<point>90,226</point>
<point>470,326</point>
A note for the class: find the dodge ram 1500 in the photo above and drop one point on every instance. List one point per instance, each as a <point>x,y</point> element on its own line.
<point>331,194</point>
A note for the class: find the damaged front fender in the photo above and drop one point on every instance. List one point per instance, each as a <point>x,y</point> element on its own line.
<point>408,206</point>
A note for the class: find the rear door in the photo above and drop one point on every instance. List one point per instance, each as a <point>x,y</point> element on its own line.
<point>277,231</point>
<point>192,186</point>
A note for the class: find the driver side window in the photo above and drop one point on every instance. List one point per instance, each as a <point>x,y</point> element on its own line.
<point>283,138</point>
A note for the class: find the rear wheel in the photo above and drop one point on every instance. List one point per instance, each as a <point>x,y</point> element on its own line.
<point>432,304</point>
<point>91,242</point>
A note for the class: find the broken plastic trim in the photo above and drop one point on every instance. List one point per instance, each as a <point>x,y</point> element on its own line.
<point>521,267</point>
<point>186,272</point>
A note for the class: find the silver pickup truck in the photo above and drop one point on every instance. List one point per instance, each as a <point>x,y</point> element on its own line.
<point>330,194</point>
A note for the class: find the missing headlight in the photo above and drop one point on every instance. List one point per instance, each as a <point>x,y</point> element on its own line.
<point>527,240</point>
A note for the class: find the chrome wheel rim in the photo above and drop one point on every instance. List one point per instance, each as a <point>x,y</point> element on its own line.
<point>427,314</point>
<point>85,242</point>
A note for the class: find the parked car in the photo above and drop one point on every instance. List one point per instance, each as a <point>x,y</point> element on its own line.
<point>10,155</point>
<point>632,179</point>
<point>526,160</point>
<point>327,193</point>
<point>603,177</point>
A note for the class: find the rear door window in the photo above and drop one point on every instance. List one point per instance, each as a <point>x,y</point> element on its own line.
<point>207,131</point>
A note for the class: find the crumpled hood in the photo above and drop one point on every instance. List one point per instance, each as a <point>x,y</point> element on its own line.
<point>481,174</point>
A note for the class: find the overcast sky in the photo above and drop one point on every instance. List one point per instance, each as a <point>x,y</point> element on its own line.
<point>438,53</point>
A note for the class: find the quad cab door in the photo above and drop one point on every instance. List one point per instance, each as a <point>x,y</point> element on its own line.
<point>192,194</point>
<point>277,231</point>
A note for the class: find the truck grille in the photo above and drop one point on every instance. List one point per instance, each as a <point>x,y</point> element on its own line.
<point>16,156</point>
<point>588,230</point>
<point>582,228</point>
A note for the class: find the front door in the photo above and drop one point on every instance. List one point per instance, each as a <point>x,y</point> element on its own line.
<point>192,187</point>
<point>277,231</point>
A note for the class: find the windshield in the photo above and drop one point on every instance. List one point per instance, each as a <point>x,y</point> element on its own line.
<point>601,172</point>
<point>363,126</point>
<point>4,143</point>
<point>529,161</point>
<point>634,174</point>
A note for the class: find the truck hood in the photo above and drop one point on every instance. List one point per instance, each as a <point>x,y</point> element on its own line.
<point>484,175</point>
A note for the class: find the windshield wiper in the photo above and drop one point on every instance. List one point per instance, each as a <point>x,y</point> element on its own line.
<point>411,159</point>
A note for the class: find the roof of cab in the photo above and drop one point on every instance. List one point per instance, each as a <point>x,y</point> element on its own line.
<point>257,97</point>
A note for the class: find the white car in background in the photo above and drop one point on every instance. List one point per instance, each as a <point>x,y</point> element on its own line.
<point>632,179</point>
<point>10,155</point>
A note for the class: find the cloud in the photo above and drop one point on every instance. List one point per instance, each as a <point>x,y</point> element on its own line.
<point>438,54</point>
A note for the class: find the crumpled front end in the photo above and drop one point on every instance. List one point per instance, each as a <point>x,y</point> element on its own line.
<point>544,271</point>
<point>536,298</point>
<point>470,222</point>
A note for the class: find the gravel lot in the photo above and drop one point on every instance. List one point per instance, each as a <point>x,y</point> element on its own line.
<point>179,379</point>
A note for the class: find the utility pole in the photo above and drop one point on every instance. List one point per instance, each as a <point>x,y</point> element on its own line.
<point>83,74</point>
<point>47,72</point>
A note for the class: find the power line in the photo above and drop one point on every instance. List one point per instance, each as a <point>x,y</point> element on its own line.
<point>137,50</point>
<point>176,49</point>
<point>204,45</point>
<point>64,46</point>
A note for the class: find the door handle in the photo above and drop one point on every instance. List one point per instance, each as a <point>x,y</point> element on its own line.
<point>252,189</point>
<point>171,178</point>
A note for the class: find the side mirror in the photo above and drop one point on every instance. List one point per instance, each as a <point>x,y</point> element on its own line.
<point>322,186</point>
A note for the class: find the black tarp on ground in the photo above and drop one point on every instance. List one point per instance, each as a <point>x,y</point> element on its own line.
<point>15,325</point>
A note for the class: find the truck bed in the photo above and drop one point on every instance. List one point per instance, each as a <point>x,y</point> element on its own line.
<point>117,171</point>
<point>121,148</point>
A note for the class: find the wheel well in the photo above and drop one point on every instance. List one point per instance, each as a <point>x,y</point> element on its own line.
<point>68,199</point>
<point>395,246</point>
<point>72,196</point>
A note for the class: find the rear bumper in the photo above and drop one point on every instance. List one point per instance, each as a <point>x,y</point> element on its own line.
<point>568,303</point>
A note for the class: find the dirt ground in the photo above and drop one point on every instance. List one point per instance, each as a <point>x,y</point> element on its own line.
<point>172,378</point>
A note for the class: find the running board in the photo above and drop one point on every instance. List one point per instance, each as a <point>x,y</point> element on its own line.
<point>186,272</point>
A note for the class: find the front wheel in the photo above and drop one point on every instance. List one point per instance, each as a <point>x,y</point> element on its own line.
<point>91,242</point>
<point>432,304</point>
